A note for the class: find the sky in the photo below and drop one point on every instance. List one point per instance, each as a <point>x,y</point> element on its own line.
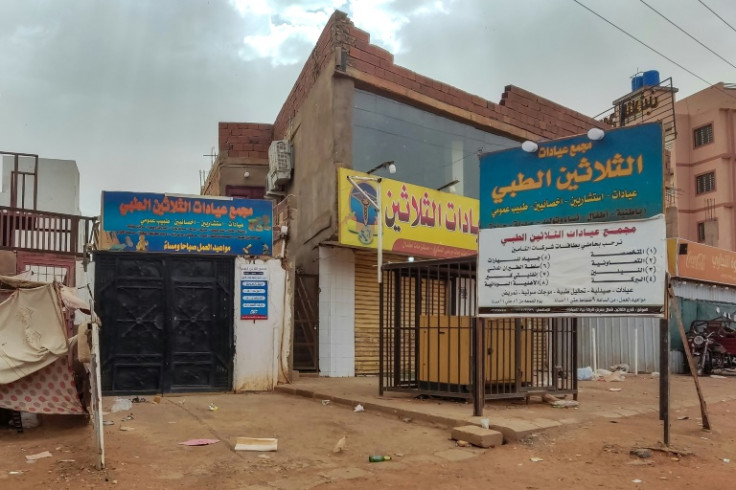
<point>133,90</point>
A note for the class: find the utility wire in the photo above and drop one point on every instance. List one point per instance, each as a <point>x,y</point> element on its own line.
<point>642,42</point>
<point>714,13</point>
<point>686,33</point>
<point>725,92</point>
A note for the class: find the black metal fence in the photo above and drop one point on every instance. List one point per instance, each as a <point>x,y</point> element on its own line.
<point>432,342</point>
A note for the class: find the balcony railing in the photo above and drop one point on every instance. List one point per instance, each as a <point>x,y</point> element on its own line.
<point>41,231</point>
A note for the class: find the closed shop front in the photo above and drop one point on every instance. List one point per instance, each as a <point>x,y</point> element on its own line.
<point>367,310</point>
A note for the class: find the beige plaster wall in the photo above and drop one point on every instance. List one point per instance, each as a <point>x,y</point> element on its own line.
<point>322,141</point>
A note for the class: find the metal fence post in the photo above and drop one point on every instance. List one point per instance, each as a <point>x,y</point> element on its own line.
<point>479,384</point>
<point>664,377</point>
<point>381,328</point>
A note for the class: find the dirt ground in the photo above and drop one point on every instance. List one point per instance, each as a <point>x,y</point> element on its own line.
<point>594,454</point>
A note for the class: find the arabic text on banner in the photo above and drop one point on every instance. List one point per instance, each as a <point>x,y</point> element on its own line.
<point>616,269</point>
<point>415,220</point>
<point>575,180</point>
<point>149,222</point>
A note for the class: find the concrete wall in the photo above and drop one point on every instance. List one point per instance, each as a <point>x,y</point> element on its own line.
<point>83,280</point>
<point>322,141</point>
<point>262,347</point>
<point>232,173</point>
<point>58,184</point>
<point>336,312</point>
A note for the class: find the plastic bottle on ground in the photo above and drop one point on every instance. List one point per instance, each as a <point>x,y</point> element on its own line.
<point>377,458</point>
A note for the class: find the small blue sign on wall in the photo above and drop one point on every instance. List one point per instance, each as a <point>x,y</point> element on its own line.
<point>253,292</point>
<point>575,180</point>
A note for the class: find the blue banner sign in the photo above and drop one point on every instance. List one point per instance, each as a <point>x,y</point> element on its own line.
<point>147,222</point>
<point>575,180</point>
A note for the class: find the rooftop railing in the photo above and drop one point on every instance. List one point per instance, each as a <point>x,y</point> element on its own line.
<point>41,231</point>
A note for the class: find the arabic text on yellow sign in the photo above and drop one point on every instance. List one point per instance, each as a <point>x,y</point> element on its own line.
<point>411,216</point>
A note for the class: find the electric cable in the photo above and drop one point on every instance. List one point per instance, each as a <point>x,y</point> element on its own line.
<point>654,50</point>
<point>642,42</point>
<point>714,13</point>
<point>687,33</point>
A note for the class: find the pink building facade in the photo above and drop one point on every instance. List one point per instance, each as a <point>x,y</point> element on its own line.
<point>704,157</point>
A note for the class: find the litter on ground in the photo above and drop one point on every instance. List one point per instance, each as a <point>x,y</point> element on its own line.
<point>256,444</point>
<point>34,457</point>
<point>199,442</point>
<point>340,445</point>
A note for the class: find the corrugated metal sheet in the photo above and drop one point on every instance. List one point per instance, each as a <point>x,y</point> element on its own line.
<point>615,344</point>
<point>703,292</point>
<point>678,364</point>
<point>614,336</point>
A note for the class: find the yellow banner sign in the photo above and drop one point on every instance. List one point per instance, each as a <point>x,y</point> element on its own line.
<point>415,220</point>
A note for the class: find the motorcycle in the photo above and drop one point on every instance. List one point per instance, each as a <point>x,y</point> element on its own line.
<point>713,344</point>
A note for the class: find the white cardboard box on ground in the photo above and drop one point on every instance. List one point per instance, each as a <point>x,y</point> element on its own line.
<point>256,444</point>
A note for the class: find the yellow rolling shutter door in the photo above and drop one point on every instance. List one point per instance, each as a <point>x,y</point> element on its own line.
<point>367,311</point>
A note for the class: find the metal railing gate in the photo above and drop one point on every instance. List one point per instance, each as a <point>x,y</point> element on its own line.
<point>433,343</point>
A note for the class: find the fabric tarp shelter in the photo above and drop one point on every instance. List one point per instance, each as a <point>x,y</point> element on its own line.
<point>35,360</point>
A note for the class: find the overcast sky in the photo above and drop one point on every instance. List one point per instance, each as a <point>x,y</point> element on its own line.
<point>133,90</point>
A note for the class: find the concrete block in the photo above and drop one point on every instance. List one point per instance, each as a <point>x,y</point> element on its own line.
<point>478,436</point>
<point>514,429</point>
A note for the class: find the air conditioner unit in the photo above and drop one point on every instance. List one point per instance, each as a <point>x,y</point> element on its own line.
<point>280,163</point>
<point>273,190</point>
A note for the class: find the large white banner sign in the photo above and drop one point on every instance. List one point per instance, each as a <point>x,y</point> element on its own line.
<point>586,269</point>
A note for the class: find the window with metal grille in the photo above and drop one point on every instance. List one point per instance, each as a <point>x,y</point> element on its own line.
<point>701,231</point>
<point>705,183</point>
<point>703,135</point>
<point>47,273</point>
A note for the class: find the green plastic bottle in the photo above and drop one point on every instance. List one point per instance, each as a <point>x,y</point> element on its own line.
<point>378,458</point>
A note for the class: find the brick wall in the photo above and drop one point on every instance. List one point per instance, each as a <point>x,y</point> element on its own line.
<point>245,140</point>
<point>517,108</point>
<point>542,116</point>
<point>337,33</point>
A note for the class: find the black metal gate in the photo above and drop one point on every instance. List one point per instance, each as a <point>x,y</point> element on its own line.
<point>306,323</point>
<point>167,323</point>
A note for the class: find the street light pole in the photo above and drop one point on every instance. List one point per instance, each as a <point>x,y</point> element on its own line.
<point>354,179</point>
<point>379,223</point>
